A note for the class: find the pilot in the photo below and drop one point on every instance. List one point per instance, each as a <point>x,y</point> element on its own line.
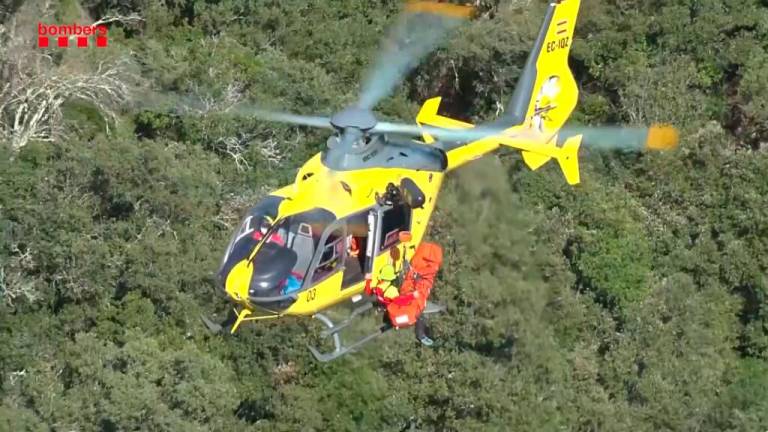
<point>354,247</point>
<point>264,226</point>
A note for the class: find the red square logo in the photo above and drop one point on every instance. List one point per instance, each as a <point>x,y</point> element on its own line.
<point>63,41</point>
<point>82,41</point>
<point>101,41</point>
<point>42,41</point>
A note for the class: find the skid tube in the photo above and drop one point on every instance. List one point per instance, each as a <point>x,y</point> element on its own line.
<point>333,330</point>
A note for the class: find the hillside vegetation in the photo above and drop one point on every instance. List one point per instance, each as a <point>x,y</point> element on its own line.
<point>633,301</point>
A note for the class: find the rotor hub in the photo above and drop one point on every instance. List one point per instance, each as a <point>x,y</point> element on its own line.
<point>354,117</point>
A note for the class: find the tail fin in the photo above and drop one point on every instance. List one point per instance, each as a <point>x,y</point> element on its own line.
<point>546,92</point>
<point>542,102</point>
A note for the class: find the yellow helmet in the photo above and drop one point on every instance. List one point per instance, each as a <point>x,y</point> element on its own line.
<point>387,273</point>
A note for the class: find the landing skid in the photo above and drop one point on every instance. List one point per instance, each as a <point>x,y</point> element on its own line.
<point>339,348</point>
<point>216,328</point>
<point>212,326</point>
<point>334,331</point>
<point>234,320</point>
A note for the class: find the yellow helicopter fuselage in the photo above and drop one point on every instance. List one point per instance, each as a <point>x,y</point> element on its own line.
<point>366,201</point>
<point>544,99</point>
<point>344,194</point>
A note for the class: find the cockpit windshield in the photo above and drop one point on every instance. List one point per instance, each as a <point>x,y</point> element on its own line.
<point>300,233</point>
<point>285,251</point>
<point>243,242</point>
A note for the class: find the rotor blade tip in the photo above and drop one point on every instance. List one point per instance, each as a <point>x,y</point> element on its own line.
<point>446,9</point>
<point>662,137</point>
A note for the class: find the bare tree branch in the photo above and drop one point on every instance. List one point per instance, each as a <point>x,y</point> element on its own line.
<point>35,87</point>
<point>32,110</point>
<point>13,284</point>
<point>133,18</point>
<point>208,104</point>
<point>235,147</point>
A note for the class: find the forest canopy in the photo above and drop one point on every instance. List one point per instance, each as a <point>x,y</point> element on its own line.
<point>633,301</point>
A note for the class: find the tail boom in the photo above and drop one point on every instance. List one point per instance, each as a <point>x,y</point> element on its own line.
<point>537,149</point>
<point>545,97</point>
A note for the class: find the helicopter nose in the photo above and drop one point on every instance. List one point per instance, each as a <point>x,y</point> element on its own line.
<point>237,281</point>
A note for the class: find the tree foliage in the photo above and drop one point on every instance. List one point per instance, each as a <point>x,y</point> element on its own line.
<point>634,301</point>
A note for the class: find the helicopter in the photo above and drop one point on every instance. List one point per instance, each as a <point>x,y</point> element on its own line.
<point>377,183</point>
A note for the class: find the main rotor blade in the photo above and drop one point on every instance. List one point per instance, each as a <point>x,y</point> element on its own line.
<point>187,104</point>
<point>297,119</point>
<point>656,137</point>
<point>418,31</point>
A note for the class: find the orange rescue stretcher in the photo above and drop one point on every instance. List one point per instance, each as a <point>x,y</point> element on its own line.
<point>403,310</point>
<point>406,308</point>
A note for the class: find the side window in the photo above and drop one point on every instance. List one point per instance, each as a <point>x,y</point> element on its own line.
<point>300,239</point>
<point>332,256</point>
<point>393,221</point>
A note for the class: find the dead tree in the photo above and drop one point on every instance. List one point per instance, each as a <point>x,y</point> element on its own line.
<point>35,88</point>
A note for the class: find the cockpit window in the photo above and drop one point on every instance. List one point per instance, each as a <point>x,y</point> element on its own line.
<point>300,237</point>
<point>244,240</point>
<point>284,249</point>
<point>332,255</point>
<point>281,263</point>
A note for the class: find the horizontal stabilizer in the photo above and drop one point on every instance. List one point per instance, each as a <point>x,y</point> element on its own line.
<point>428,116</point>
<point>536,149</point>
<point>535,160</point>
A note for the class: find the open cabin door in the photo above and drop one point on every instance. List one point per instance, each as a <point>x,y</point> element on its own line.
<point>385,223</point>
<point>376,237</point>
<point>374,229</point>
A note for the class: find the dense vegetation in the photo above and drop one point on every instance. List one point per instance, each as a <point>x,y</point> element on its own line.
<point>634,301</point>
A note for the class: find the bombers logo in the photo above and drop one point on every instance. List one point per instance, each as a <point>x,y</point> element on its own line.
<point>63,33</point>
